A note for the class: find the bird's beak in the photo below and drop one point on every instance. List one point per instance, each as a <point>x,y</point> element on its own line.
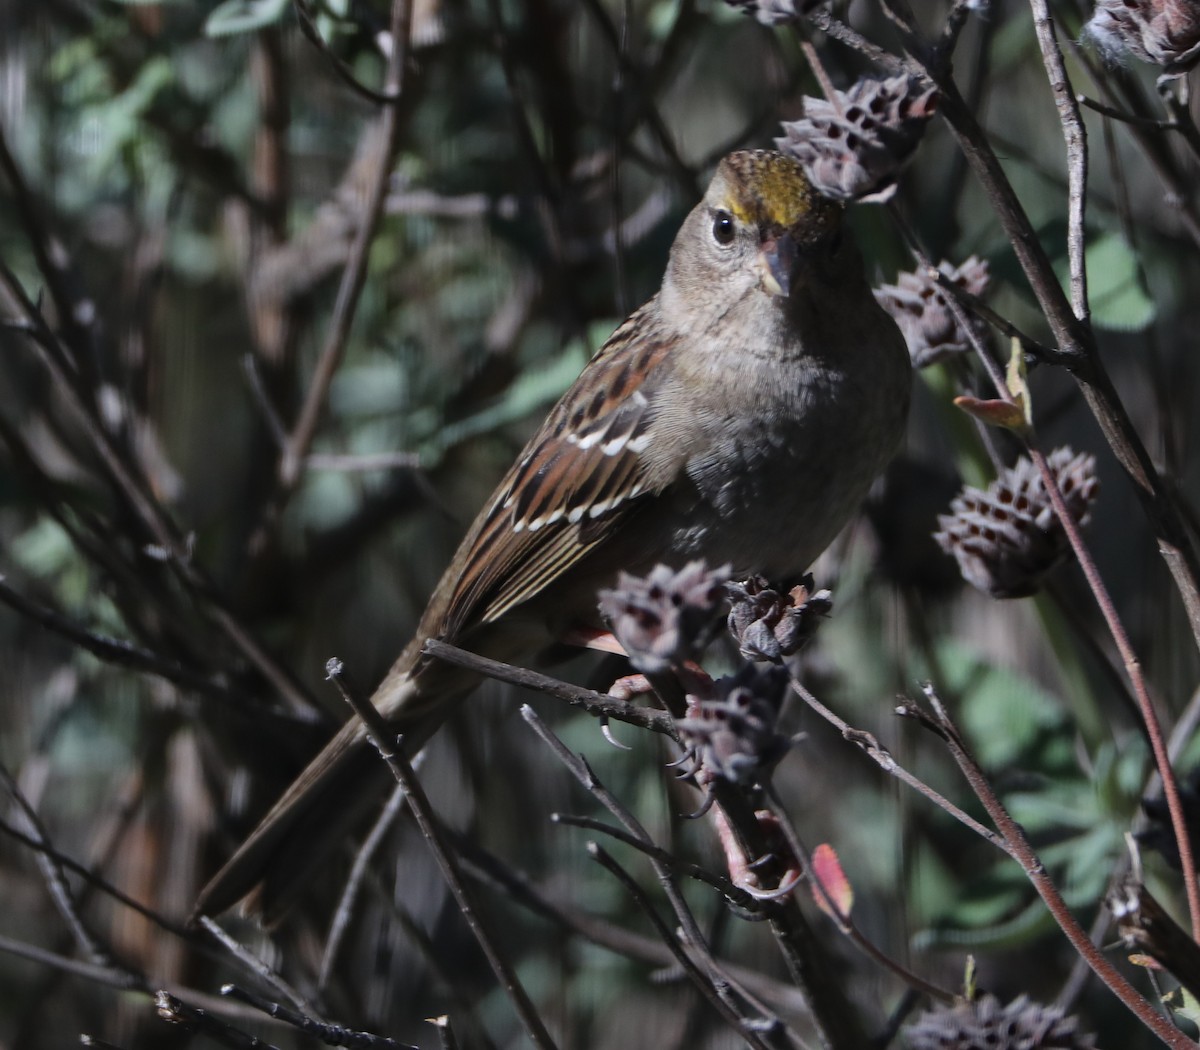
<point>777,263</point>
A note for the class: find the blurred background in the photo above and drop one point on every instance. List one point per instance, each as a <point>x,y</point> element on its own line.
<point>183,189</point>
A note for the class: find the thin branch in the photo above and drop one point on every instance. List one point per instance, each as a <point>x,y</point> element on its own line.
<point>195,1019</point>
<point>844,923</point>
<point>92,879</point>
<point>355,464</point>
<point>362,860</point>
<point>354,275</point>
<point>329,1034</point>
<point>1075,138</point>
<point>384,742</point>
<point>60,889</point>
<point>871,747</point>
<point>344,73</point>
<point>50,257</point>
<point>601,931</point>
<point>589,700</point>
<point>254,964</point>
<point>1181,115</point>
<point>128,483</point>
<point>1124,118</point>
<point>1133,669</point>
<point>117,651</point>
<point>940,723</point>
<point>735,894</point>
<point>714,981</point>
<point>836,29</point>
<point>700,979</point>
<point>1157,150</point>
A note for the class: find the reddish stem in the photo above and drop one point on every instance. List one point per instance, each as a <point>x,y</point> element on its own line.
<point>1133,668</point>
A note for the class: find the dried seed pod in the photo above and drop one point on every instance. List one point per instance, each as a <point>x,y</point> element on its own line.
<point>768,625</point>
<point>853,148</point>
<point>919,307</point>
<point>1163,32</point>
<point>1021,1025</point>
<point>660,618</point>
<point>734,733</point>
<point>1007,538</point>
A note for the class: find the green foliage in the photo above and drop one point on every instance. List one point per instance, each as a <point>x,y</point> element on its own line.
<point>243,16</point>
<point>189,202</point>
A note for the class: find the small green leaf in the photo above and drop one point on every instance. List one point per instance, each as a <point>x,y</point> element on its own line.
<point>1003,712</point>
<point>1115,291</point>
<point>243,16</point>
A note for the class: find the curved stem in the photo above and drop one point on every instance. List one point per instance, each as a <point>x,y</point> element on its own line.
<point>1027,857</point>
<point>1133,668</point>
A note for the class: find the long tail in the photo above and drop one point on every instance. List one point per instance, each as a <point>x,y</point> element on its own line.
<point>322,805</point>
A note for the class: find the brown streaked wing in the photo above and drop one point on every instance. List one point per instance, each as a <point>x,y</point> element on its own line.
<point>573,485</point>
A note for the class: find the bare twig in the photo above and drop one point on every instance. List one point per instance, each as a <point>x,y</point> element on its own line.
<point>345,908</point>
<point>1035,870</point>
<point>384,742</point>
<point>871,747</point>
<point>1077,154</point>
<point>844,923</point>
<point>344,73</point>
<point>735,894</point>
<point>354,276</point>
<point>329,1034</point>
<point>1133,669</point>
<point>601,931</point>
<point>582,772</point>
<point>1181,115</point>
<point>702,980</point>
<point>89,876</point>
<point>60,890</point>
<point>173,1009</point>
<point>1124,118</point>
<point>99,973</point>
<point>590,701</point>
<point>128,483</point>
<point>117,651</point>
<point>255,965</point>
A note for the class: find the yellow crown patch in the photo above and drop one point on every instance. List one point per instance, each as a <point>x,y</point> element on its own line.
<point>768,189</point>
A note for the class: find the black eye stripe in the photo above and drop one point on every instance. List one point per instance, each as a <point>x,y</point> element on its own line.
<point>723,229</point>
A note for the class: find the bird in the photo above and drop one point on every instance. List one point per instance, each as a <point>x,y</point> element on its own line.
<point>738,416</point>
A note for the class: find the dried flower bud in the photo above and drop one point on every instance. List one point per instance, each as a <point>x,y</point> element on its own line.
<point>853,149</point>
<point>1021,1025</point>
<point>1007,538</point>
<point>768,625</point>
<point>734,732</point>
<point>659,618</point>
<point>775,12</point>
<point>1164,32</point>
<point>919,307</point>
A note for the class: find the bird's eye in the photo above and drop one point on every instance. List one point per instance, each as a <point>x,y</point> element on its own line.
<point>723,229</point>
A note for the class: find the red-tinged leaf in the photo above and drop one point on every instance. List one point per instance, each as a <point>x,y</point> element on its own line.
<point>827,870</point>
<point>993,411</point>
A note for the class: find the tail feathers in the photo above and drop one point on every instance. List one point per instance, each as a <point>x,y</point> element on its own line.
<point>333,794</point>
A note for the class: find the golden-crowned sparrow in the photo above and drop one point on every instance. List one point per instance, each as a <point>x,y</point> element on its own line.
<point>739,415</point>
